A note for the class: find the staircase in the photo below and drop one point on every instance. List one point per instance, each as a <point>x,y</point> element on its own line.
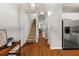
<point>32,34</point>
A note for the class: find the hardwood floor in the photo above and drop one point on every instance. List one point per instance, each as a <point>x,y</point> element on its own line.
<point>5,51</point>
<point>42,49</point>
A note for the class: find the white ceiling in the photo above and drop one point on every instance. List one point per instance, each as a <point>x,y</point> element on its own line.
<point>71,7</point>
<point>39,7</point>
<point>42,7</point>
<point>27,8</point>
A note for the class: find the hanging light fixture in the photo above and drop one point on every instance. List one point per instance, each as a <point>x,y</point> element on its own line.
<point>32,5</point>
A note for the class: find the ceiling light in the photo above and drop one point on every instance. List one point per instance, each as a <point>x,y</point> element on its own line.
<point>49,13</point>
<point>42,13</point>
<point>32,4</point>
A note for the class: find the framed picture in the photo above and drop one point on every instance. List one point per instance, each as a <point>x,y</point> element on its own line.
<point>3,38</point>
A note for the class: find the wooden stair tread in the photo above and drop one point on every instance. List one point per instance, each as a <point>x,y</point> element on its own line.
<point>32,34</point>
<point>31,38</point>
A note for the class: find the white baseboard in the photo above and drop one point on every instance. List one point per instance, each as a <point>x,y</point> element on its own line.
<point>55,47</point>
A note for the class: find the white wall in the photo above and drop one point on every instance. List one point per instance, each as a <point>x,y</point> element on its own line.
<point>70,15</point>
<point>15,20</point>
<point>26,22</point>
<point>9,19</point>
<point>55,27</point>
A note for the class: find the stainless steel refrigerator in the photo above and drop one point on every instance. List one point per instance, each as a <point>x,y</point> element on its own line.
<point>70,34</point>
